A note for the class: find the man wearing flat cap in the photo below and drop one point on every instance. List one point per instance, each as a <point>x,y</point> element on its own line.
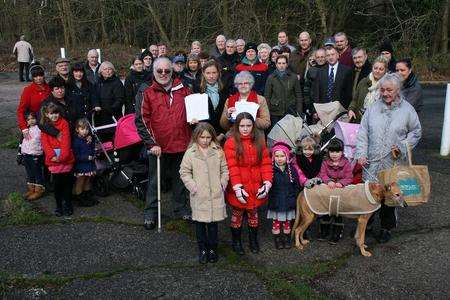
<point>62,68</point>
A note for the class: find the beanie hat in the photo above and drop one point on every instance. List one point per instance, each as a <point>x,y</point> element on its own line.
<point>36,69</point>
<point>281,146</point>
<point>386,46</point>
<point>251,46</point>
<point>145,53</point>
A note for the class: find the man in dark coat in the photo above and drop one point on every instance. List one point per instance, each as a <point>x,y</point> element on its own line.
<point>299,58</point>
<point>91,67</point>
<point>362,66</point>
<point>219,48</point>
<point>344,49</point>
<point>311,76</point>
<point>334,82</point>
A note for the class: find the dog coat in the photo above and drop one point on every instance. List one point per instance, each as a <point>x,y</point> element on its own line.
<point>350,200</point>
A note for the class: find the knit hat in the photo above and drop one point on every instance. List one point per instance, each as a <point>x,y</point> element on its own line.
<point>145,53</point>
<point>193,56</point>
<point>281,146</point>
<point>251,46</point>
<point>36,69</point>
<point>386,46</point>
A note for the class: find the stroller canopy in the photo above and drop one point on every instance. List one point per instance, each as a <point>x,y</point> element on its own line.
<point>327,112</point>
<point>287,130</point>
<point>126,132</point>
<point>347,132</point>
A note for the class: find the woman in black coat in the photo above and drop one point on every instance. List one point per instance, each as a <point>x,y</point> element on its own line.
<point>217,94</point>
<point>80,93</point>
<point>133,81</point>
<point>111,96</point>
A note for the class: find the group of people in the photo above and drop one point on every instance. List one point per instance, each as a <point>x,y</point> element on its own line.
<point>225,159</point>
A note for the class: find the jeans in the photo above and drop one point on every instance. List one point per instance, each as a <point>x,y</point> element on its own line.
<point>34,166</point>
<point>24,66</point>
<point>170,165</point>
<point>63,190</point>
<point>207,235</point>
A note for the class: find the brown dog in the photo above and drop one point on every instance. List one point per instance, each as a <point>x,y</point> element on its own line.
<point>305,216</point>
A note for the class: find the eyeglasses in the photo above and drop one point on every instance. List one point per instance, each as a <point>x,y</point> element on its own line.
<point>163,71</point>
<point>243,83</point>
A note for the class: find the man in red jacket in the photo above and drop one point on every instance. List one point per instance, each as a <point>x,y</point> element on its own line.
<point>162,124</point>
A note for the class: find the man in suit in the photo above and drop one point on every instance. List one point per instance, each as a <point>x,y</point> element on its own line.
<point>334,81</point>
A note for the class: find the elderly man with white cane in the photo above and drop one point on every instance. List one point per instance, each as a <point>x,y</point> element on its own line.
<point>162,124</point>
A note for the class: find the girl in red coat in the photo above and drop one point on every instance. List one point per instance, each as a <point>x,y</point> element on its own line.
<point>336,172</point>
<point>58,157</point>
<point>250,170</point>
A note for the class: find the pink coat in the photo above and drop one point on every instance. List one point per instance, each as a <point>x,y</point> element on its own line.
<point>341,173</point>
<point>33,145</point>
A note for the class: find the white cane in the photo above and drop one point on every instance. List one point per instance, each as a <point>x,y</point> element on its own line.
<point>158,180</point>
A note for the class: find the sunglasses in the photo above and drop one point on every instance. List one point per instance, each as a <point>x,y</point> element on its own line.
<point>163,71</point>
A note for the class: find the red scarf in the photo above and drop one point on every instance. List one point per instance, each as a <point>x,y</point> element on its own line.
<point>252,97</point>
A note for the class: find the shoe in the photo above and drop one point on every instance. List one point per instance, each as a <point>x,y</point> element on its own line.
<point>58,212</point>
<point>39,191</point>
<point>336,233</point>
<point>212,256</point>
<point>236,243</point>
<point>384,236</point>
<point>253,239</point>
<point>30,190</point>
<point>287,241</point>
<point>187,218</point>
<point>324,231</point>
<point>203,257</point>
<point>278,241</point>
<point>149,224</point>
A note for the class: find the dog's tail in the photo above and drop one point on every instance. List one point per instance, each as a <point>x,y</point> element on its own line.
<point>297,214</point>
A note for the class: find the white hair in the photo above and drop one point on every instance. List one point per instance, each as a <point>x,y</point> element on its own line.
<point>230,41</point>
<point>262,46</point>
<point>92,52</point>
<point>221,36</point>
<point>105,65</point>
<point>160,60</point>
<point>394,78</point>
<point>244,76</point>
<point>240,41</point>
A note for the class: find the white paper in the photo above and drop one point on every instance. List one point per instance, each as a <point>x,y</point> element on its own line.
<point>196,107</point>
<point>245,106</point>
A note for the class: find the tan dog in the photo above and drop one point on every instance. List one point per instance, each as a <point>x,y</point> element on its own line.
<point>305,216</point>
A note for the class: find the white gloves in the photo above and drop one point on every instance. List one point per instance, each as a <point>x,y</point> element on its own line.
<point>310,183</point>
<point>264,190</point>
<point>241,194</point>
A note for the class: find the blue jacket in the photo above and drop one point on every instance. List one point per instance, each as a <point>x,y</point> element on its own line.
<point>283,194</point>
<point>82,150</point>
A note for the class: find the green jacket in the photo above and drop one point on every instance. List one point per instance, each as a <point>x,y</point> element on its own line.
<point>282,94</point>
<point>361,91</point>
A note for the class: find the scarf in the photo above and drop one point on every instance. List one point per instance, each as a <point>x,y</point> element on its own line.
<point>213,94</point>
<point>252,97</point>
<point>410,81</point>
<point>246,61</point>
<point>372,91</point>
<point>310,169</point>
<point>280,74</point>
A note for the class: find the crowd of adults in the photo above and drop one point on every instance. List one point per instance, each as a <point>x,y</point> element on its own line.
<point>283,79</point>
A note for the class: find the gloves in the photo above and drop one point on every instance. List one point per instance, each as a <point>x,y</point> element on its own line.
<point>310,183</point>
<point>241,194</point>
<point>264,190</point>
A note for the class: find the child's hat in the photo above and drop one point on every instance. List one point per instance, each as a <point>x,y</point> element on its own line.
<point>281,146</point>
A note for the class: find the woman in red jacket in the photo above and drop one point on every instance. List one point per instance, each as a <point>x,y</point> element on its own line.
<point>250,178</point>
<point>32,97</point>
<point>58,157</point>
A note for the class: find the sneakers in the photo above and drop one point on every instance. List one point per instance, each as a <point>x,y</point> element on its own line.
<point>149,224</point>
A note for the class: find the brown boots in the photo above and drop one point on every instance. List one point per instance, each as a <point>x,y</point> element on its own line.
<point>30,190</point>
<point>35,192</point>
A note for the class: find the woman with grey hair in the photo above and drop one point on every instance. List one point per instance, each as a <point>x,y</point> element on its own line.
<point>388,127</point>
<point>263,53</point>
<point>244,82</point>
<point>111,94</point>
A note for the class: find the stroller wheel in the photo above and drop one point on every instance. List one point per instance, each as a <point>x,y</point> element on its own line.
<point>101,185</point>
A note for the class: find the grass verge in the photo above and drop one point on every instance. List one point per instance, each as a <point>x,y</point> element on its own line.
<point>12,142</point>
<point>18,211</point>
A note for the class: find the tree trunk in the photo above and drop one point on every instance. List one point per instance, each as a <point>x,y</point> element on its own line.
<point>157,20</point>
<point>321,7</point>
<point>444,27</point>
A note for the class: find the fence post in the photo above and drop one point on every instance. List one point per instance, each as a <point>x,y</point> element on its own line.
<point>63,53</point>
<point>99,55</point>
<point>445,140</point>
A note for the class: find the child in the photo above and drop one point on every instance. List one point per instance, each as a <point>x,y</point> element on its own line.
<point>250,178</point>
<point>204,172</point>
<point>283,194</point>
<point>309,162</point>
<point>84,150</point>
<point>58,157</point>
<point>33,159</point>
<point>336,172</point>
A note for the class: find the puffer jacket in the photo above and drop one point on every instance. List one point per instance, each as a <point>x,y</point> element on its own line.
<point>50,143</point>
<point>30,101</point>
<point>283,95</point>
<point>206,178</point>
<point>284,192</point>
<point>342,173</point>
<point>247,171</point>
<point>163,120</point>
<point>259,72</point>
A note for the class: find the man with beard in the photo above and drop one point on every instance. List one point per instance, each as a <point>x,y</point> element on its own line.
<point>362,66</point>
<point>298,59</point>
<point>344,49</point>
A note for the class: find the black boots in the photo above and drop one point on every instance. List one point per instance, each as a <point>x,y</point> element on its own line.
<point>337,230</point>
<point>236,241</point>
<point>324,230</point>
<point>212,254</point>
<point>253,239</point>
<point>202,255</point>
<point>279,242</point>
<point>287,241</point>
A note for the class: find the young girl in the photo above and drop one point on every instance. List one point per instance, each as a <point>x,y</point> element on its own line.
<point>309,162</point>
<point>58,157</point>
<point>336,172</point>
<point>204,172</point>
<point>250,178</point>
<point>84,150</point>
<point>33,159</point>
<point>283,195</point>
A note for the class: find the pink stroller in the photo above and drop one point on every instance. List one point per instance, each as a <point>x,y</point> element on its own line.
<point>120,162</point>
